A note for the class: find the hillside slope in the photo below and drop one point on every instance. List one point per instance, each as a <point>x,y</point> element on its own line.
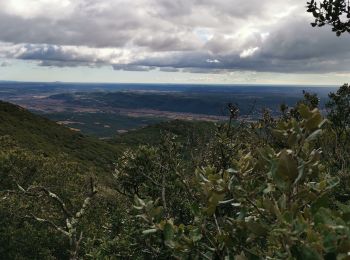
<point>186,131</point>
<point>39,134</point>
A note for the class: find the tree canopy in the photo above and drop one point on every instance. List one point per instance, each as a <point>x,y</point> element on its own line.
<point>335,13</point>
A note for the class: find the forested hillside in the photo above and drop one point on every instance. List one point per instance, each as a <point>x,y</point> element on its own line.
<point>39,134</point>
<point>36,133</point>
<point>276,188</point>
<point>39,157</point>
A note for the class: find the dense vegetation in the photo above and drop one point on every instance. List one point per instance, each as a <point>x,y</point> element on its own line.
<point>277,188</point>
<point>39,157</point>
<point>102,125</point>
<point>37,133</point>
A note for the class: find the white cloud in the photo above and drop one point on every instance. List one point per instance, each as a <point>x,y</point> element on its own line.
<point>195,35</point>
<point>213,61</point>
<point>248,52</point>
<point>35,8</point>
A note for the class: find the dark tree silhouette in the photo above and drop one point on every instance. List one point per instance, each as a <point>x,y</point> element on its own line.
<point>335,13</point>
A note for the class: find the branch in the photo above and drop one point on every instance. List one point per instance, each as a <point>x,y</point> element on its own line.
<point>151,179</point>
<point>87,200</point>
<point>123,193</point>
<point>48,222</point>
<point>163,195</point>
<point>74,253</point>
<point>50,194</point>
<point>187,187</point>
<point>257,208</point>
<point>217,224</point>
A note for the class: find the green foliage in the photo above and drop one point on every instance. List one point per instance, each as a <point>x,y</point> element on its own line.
<point>270,203</point>
<point>190,134</point>
<point>276,188</point>
<point>339,107</point>
<point>310,100</point>
<point>102,125</point>
<point>132,168</point>
<point>38,152</point>
<point>156,172</point>
<point>21,237</point>
<point>39,134</point>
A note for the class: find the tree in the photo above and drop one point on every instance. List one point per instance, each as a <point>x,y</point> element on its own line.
<point>339,107</point>
<point>332,12</point>
<point>338,147</point>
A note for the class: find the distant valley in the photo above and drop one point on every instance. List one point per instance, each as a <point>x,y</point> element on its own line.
<point>106,110</point>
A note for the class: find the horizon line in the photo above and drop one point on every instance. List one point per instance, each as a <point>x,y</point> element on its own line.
<point>175,84</point>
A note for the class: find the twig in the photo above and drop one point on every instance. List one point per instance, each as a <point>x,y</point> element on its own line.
<point>257,208</point>
<point>217,224</point>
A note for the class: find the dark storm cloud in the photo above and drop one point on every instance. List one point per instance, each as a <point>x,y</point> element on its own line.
<point>168,69</point>
<point>199,36</point>
<point>53,55</point>
<point>130,67</point>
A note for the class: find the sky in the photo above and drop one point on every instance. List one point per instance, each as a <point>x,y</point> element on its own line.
<point>167,41</point>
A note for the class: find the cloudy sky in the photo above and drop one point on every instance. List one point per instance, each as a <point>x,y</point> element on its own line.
<point>176,41</point>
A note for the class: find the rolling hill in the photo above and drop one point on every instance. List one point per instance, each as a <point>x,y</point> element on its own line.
<point>40,134</point>
<point>37,133</point>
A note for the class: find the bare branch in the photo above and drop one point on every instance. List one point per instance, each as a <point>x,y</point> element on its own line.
<point>163,195</point>
<point>52,196</point>
<point>71,221</point>
<point>48,222</point>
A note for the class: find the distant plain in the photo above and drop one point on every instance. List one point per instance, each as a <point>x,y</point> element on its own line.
<point>107,110</point>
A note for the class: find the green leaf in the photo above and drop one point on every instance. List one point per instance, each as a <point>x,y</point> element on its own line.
<point>314,121</point>
<point>304,111</point>
<point>256,228</point>
<point>285,171</point>
<point>195,209</point>
<point>314,135</point>
<point>319,203</point>
<point>196,234</point>
<point>282,202</point>
<point>301,173</point>
<point>288,217</point>
<point>292,140</point>
<point>168,232</point>
<point>213,202</point>
<point>155,212</point>
<point>139,202</point>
